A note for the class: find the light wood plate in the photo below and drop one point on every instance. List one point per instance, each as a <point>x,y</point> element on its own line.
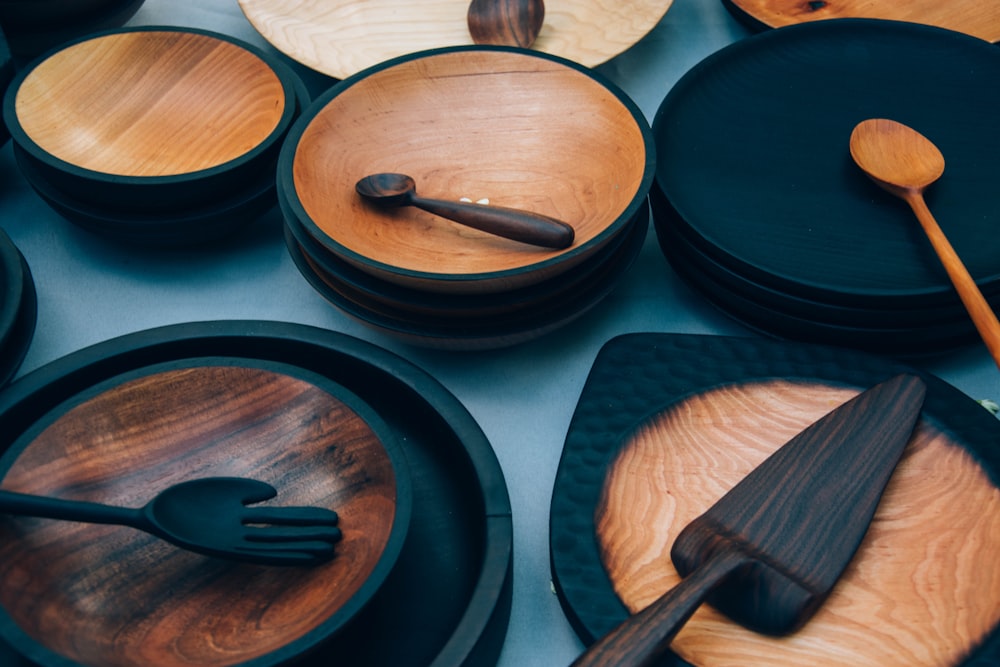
<point>340,37</point>
<point>973,17</point>
<point>667,423</point>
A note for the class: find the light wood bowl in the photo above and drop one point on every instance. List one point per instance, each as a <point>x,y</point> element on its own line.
<point>111,595</point>
<point>340,38</point>
<point>151,117</point>
<point>521,129</point>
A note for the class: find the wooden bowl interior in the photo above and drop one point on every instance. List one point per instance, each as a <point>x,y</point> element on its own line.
<point>973,17</point>
<point>110,595</point>
<point>150,103</point>
<point>518,130</point>
<point>914,593</point>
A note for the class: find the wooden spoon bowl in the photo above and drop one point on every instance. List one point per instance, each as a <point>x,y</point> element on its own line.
<point>554,138</point>
<point>110,595</point>
<point>151,118</point>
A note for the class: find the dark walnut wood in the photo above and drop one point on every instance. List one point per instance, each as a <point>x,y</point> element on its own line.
<point>505,22</point>
<point>890,607</point>
<point>110,595</point>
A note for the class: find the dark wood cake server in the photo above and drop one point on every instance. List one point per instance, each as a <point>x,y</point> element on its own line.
<point>769,552</point>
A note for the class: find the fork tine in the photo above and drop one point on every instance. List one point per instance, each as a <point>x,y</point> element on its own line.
<point>292,534</point>
<point>291,516</point>
<point>302,553</point>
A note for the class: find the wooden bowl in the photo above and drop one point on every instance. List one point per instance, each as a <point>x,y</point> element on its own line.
<point>340,38</point>
<point>151,118</point>
<point>34,26</point>
<point>554,137</point>
<point>456,331</point>
<point>110,595</point>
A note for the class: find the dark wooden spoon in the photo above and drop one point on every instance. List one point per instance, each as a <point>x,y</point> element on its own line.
<point>506,22</point>
<point>400,190</point>
<point>904,163</point>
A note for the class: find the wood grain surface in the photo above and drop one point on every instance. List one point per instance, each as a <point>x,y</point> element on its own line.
<point>915,593</point>
<point>150,103</point>
<point>518,130</point>
<point>112,596</point>
<point>340,38</point>
<point>973,17</point>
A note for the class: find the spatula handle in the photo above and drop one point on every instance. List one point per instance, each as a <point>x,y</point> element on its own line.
<point>23,504</point>
<point>524,226</point>
<point>644,637</point>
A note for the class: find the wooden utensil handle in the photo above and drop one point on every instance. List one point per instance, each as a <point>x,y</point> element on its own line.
<point>24,504</point>
<point>515,224</point>
<point>979,309</point>
<point>644,637</point>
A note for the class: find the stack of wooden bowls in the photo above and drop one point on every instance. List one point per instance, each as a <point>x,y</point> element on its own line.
<point>501,126</point>
<point>153,134</point>
<point>34,26</point>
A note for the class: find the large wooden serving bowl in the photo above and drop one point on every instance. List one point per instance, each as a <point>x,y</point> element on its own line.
<point>521,129</point>
<point>150,117</point>
<point>111,596</point>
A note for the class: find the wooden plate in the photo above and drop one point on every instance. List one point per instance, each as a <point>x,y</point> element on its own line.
<point>458,550</point>
<point>973,17</point>
<point>666,423</point>
<point>475,333</point>
<point>151,118</point>
<point>767,121</point>
<point>340,38</point>
<point>423,115</point>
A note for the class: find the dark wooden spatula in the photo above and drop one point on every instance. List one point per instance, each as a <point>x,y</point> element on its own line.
<point>768,553</point>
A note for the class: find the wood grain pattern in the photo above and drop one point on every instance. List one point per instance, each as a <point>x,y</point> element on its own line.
<point>340,38</point>
<point>914,593</point>
<point>973,17</point>
<point>115,597</point>
<point>150,103</point>
<point>549,139</point>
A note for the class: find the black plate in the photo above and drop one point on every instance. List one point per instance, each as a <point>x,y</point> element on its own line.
<point>639,375</point>
<point>447,602</point>
<point>756,161</point>
<point>15,344</point>
<point>29,37</point>
<point>6,74</point>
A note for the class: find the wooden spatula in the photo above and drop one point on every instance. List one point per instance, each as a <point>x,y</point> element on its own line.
<point>768,552</point>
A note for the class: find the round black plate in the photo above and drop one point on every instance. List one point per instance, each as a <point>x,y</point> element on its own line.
<point>447,602</point>
<point>756,160</point>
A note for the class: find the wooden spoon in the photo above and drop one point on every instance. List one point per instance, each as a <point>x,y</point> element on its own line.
<point>904,162</point>
<point>506,22</point>
<point>400,190</point>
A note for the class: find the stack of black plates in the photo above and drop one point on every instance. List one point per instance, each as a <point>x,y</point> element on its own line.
<point>34,26</point>
<point>18,308</point>
<point>6,74</point>
<point>759,207</point>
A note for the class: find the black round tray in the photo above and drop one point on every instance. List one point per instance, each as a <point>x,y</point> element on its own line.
<point>447,602</point>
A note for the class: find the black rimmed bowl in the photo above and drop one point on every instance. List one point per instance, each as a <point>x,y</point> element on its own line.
<point>83,594</point>
<point>18,308</point>
<point>152,119</point>
<point>554,138</point>
<point>458,549</point>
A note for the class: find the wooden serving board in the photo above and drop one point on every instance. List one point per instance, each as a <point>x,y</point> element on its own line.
<point>978,18</point>
<point>668,423</point>
<point>340,38</point>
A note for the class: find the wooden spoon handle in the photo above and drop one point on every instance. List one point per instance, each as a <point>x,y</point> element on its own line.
<point>979,309</point>
<point>644,637</point>
<point>23,504</point>
<point>515,224</point>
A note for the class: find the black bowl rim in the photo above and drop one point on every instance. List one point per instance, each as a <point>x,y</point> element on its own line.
<point>289,198</point>
<point>12,285</point>
<point>173,341</point>
<point>23,140</point>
